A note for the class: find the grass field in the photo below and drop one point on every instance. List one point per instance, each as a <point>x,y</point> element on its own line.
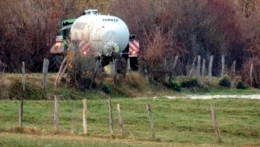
<point>178,122</point>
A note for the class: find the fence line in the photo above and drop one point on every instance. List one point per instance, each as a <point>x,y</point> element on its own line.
<point>120,116</point>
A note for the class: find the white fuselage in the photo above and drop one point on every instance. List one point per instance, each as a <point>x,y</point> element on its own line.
<point>98,30</point>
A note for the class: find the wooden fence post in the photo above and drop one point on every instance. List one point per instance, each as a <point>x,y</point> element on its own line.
<point>110,116</point>
<point>21,101</point>
<point>84,116</point>
<point>120,119</point>
<point>56,112</point>
<point>44,77</point>
<point>148,108</point>
<point>175,62</point>
<point>215,124</point>
<point>20,113</point>
<point>45,72</point>
<point>210,68</point>
<point>23,76</point>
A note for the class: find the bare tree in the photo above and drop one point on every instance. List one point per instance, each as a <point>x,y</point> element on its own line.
<point>201,27</point>
<point>29,32</point>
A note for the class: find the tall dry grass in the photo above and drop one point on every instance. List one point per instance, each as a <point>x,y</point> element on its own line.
<point>4,84</point>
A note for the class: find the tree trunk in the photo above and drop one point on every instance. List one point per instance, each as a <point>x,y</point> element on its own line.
<point>251,74</point>
<point>173,67</point>
<point>233,74</point>
<point>192,67</point>
<point>222,65</point>
<point>210,68</point>
<point>203,68</point>
<point>198,67</point>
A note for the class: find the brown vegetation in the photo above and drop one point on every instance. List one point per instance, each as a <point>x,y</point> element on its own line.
<point>28,29</point>
<point>165,29</point>
<point>197,27</point>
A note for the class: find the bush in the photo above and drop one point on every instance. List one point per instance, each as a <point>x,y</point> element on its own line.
<point>4,85</point>
<point>81,72</point>
<point>2,80</point>
<point>225,81</point>
<point>176,86</point>
<point>193,82</point>
<point>1,83</point>
<point>241,85</point>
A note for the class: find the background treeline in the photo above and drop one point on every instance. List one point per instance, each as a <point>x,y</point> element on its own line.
<point>165,28</point>
<point>28,28</point>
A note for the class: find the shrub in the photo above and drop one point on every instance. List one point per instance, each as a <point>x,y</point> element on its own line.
<point>2,81</point>
<point>4,85</point>
<point>241,85</point>
<point>193,82</point>
<point>81,72</point>
<point>176,86</point>
<point>225,81</point>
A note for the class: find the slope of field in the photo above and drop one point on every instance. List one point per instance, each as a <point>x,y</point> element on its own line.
<point>133,85</point>
<point>177,122</point>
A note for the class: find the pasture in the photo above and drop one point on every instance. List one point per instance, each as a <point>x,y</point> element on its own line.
<point>177,122</point>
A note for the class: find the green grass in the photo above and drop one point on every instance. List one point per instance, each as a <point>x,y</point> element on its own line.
<point>17,140</point>
<point>178,122</point>
<point>182,121</point>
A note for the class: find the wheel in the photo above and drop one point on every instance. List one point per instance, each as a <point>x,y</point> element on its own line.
<point>55,62</point>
